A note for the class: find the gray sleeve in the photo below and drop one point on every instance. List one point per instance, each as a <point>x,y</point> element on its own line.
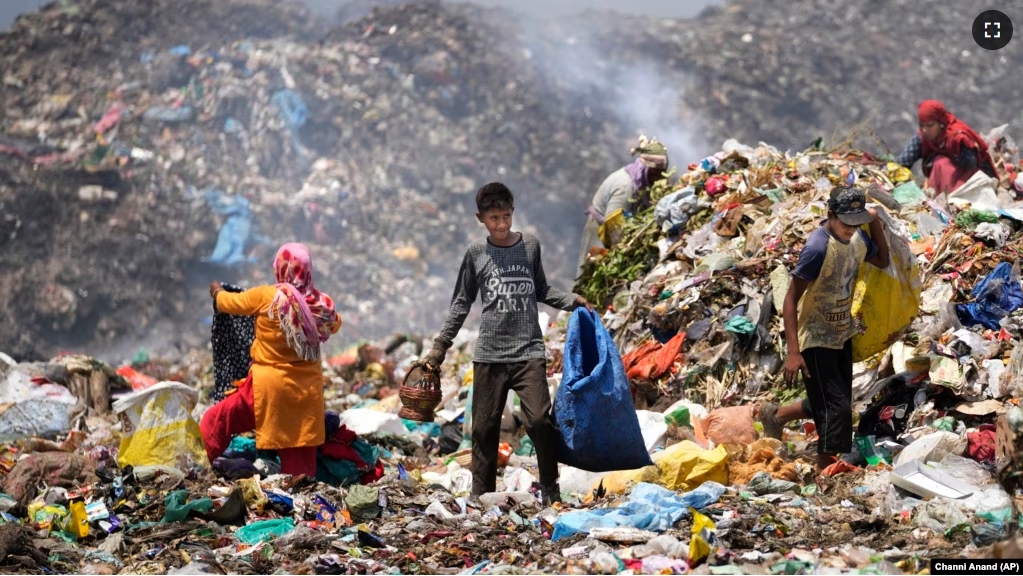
<point>545,293</point>
<point>618,197</point>
<point>466,290</point>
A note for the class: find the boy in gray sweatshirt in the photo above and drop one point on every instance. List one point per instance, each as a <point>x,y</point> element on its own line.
<point>507,270</point>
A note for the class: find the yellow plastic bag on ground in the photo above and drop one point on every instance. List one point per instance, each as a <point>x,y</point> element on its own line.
<point>157,428</point>
<point>898,173</point>
<point>886,301</point>
<point>685,465</point>
<point>610,231</point>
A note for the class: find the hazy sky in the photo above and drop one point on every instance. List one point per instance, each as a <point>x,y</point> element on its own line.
<point>677,8</point>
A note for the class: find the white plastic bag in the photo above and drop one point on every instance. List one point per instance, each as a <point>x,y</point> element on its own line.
<point>364,422</point>
<point>653,427</point>
<point>993,231</point>
<point>933,446</point>
<point>517,480</point>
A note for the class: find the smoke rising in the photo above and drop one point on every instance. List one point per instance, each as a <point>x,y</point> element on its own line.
<point>551,109</point>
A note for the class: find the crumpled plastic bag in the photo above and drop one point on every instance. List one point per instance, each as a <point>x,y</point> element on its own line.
<point>610,231</point>
<point>933,446</point>
<point>939,515</point>
<point>963,469</point>
<point>909,194</point>
<point>237,228</point>
<point>981,443</point>
<point>997,233</point>
<point>704,540</point>
<point>685,465</point>
<point>264,530</point>
<point>701,242</point>
<point>648,507</point>
<point>741,325</point>
<point>997,295</point>
<point>886,301</point>
<point>363,502</point>
<point>178,507</point>
<point>731,425</point>
<point>986,501</point>
<point>762,483</point>
<point>157,428</point>
<point>675,208</point>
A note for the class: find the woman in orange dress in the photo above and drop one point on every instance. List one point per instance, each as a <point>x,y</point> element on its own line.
<point>282,397</point>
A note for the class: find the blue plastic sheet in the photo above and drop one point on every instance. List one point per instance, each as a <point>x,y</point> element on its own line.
<point>594,412</point>
<point>292,108</point>
<point>996,296</point>
<point>295,113</point>
<point>234,234</point>
<point>650,507</point>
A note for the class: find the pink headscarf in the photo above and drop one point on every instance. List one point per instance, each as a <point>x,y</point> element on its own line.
<point>306,314</point>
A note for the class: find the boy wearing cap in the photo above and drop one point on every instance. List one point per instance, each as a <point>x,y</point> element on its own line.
<point>819,325</point>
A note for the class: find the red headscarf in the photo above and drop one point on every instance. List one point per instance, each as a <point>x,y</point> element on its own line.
<point>956,134</point>
<point>306,314</point>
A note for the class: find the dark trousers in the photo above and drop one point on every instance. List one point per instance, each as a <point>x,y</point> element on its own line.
<point>491,383</point>
<point>829,391</point>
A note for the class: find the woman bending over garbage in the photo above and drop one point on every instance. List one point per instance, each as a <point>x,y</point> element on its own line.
<point>616,192</point>
<point>282,397</point>
<point>951,151</point>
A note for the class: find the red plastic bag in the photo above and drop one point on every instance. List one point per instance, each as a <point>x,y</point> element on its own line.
<point>139,381</point>
<point>981,444</point>
<point>839,467</point>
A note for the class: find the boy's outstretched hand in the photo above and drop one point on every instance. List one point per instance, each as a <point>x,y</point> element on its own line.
<point>582,302</point>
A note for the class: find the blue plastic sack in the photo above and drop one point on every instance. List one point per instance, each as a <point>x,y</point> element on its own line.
<point>649,507</point>
<point>996,296</point>
<point>596,418</point>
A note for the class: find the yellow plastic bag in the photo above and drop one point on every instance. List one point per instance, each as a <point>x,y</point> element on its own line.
<point>610,232</point>
<point>885,302</point>
<point>704,541</point>
<point>157,428</point>
<point>898,173</point>
<point>77,523</point>
<point>685,465</point>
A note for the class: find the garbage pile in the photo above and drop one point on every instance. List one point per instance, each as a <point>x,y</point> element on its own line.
<point>149,147</point>
<point>701,274</point>
<point>694,293</point>
<point>97,494</point>
<point>147,156</point>
<point>787,73</point>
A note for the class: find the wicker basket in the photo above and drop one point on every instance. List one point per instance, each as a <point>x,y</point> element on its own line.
<point>463,457</point>
<point>420,398</point>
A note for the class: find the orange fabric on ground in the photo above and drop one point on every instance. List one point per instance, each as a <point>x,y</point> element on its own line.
<point>287,391</point>
<point>635,361</point>
<point>652,360</point>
